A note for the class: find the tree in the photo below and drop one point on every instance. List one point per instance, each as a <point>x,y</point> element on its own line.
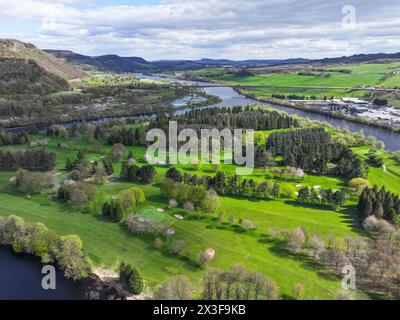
<point>176,288</point>
<point>296,240</point>
<point>72,259</point>
<point>339,198</point>
<point>178,246</point>
<point>211,202</point>
<point>100,173</point>
<point>147,174</point>
<point>359,184</point>
<point>98,133</point>
<point>158,243</point>
<point>298,291</point>
<point>106,210</point>
<point>174,175</point>
<point>275,190</point>
<point>304,194</point>
<point>117,152</point>
<point>131,278</point>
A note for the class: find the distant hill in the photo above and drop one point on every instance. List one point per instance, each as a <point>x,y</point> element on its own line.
<point>15,49</point>
<point>113,63</point>
<point>116,63</point>
<point>249,63</point>
<point>359,58</point>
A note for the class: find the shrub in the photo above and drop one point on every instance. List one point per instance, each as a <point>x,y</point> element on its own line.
<point>176,288</point>
<point>359,184</point>
<point>188,206</point>
<point>178,246</point>
<point>248,225</point>
<point>158,243</point>
<point>173,203</point>
<point>377,226</point>
<point>72,259</point>
<point>117,152</point>
<point>131,278</point>
<point>123,203</point>
<point>296,240</point>
<point>33,182</point>
<point>210,202</point>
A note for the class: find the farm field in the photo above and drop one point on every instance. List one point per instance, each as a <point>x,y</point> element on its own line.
<point>368,74</point>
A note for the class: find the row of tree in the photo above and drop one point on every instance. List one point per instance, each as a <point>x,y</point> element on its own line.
<point>375,259</point>
<point>10,138</point>
<point>191,197</point>
<point>81,169</point>
<point>231,185</point>
<point>322,196</point>
<point>126,136</point>
<point>379,203</point>
<point>29,159</point>
<point>134,173</point>
<point>229,118</point>
<point>235,283</point>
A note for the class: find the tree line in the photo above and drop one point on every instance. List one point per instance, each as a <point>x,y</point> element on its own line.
<point>10,138</point>
<point>379,203</point>
<point>322,196</point>
<point>231,185</point>
<point>29,160</point>
<point>126,136</point>
<point>230,118</point>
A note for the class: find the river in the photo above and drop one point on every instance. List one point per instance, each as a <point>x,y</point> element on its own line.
<point>231,98</point>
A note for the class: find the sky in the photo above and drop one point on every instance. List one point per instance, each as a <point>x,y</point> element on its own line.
<point>195,29</point>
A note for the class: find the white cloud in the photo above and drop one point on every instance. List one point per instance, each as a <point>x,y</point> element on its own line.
<point>193,29</point>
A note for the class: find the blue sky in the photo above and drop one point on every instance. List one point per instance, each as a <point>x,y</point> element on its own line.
<point>193,29</point>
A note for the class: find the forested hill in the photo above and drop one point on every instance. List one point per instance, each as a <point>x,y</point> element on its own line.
<point>116,63</point>
<point>14,49</point>
<point>19,76</point>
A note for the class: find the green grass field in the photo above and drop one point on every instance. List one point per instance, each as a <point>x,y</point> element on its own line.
<point>108,243</point>
<point>369,74</point>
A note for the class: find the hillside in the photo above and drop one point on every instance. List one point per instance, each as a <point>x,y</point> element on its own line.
<point>113,63</point>
<point>19,76</point>
<point>14,49</point>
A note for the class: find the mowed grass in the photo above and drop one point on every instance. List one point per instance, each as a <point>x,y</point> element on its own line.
<point>388,176</point>
<point>108,243</point>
